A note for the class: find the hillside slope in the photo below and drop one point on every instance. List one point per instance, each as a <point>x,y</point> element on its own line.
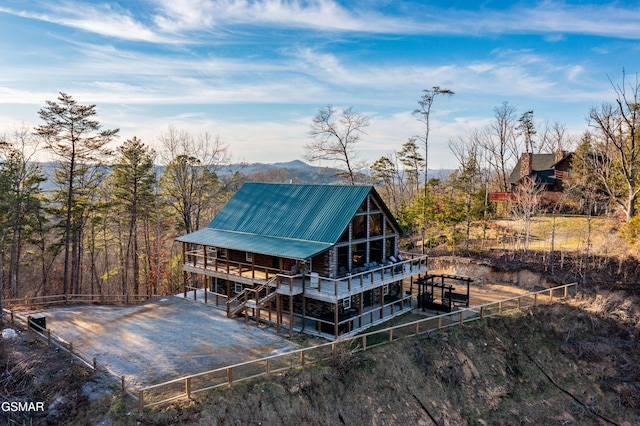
<point>574,363</point>
<point>568,363</point>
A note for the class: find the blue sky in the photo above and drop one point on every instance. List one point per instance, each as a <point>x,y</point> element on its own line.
<point>255,72</point>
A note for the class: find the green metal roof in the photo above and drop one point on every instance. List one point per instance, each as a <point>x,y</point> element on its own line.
<point>272,246</point>
<point>288,220</point>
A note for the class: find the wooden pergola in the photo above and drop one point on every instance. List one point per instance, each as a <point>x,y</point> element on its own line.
<point>438,292</point>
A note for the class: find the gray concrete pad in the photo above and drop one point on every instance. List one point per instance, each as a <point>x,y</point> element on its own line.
<point>162,339</point>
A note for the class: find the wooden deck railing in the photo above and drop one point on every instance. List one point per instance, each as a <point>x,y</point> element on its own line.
<point>198,259</point>
<point>75,298</point>
<point>343,286</point>
<point>187,386</point>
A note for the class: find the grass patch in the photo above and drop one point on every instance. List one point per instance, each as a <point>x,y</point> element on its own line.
<point>569,232</point>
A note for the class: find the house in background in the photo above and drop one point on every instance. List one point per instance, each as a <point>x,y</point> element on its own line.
<point>319,259</point>
<point>548,171</point>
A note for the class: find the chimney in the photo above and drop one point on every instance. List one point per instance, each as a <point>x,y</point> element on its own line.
<point>525,164</point>
<point>560,155</point>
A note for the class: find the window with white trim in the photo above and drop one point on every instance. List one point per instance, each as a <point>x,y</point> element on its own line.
<point>223,253</point>
<point>249,257</point>
<point>238,288</point>
<point>346,303</point>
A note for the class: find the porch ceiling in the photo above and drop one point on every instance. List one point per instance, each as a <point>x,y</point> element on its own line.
<point>253,243</point>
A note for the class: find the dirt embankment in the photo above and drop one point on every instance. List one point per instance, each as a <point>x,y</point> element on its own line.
<point>484,272</point>
<point>536,270</point>
<point>30,372</point>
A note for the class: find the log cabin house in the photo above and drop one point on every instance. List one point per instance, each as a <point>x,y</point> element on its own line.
<point>548,171</point>
<point>318,259</point>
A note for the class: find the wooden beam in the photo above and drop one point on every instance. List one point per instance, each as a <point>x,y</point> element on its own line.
<point>291,314</point>
<point>335,319</point>
<point>204,251</point>
<point>360,309</point>
<point>278,313</point>
<point>184,273</point>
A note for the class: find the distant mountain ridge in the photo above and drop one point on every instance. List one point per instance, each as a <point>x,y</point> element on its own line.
<point>295,171</point>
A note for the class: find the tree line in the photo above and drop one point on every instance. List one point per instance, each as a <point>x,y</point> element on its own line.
<point>108,225</point>
<point>604,176</point>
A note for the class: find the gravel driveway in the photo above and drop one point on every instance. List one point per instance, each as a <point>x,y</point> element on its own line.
<point>161,339</point>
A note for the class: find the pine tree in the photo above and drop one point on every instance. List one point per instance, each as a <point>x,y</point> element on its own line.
<point>78,141</point>
<point>133,182</point>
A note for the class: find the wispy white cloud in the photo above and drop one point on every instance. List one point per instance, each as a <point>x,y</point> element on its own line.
<point>170,21</point>
<point>189,58</point>
<point>103,19</point>
<point>107,74</point>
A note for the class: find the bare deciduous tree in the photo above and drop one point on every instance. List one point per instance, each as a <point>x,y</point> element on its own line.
<point>554,138</point>
<point>500,144</point>
<point>525,206</point>
<point>334,134</point>
<point>22,198</point>
<point>189,182</point>
<point>424,115</point>
<point>617,126</point>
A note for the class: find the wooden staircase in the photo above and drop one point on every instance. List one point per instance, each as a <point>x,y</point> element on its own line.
<point>252,298</point>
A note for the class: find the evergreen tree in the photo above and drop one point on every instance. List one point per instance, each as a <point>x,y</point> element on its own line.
<point>133,192</point>
<point>72,134</point>
<point>385,172</point>
<point>413,162</point>
<point>21,198</point>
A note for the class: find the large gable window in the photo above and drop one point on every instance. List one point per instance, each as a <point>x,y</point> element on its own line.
<point>359,227</point>
<point>388,229</point>
<point>390,247</point>
<point>375,251</point>
<point>345,236</point>
<point>343,260</point>
<point>358,255</point>
<point>375,224</point>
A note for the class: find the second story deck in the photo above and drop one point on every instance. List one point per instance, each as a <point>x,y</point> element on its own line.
<point>311,284</point>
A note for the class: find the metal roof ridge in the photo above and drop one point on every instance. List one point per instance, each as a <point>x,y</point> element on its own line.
<point>361,185</point>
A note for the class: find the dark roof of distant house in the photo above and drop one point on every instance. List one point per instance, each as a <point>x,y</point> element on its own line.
<point>286,220</point>
<point>542,166</point>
